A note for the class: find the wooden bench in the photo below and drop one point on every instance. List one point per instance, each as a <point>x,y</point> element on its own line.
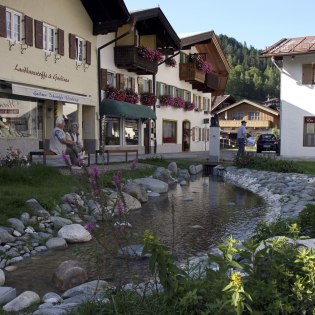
<point>116,151</point>
<point>48,153</point>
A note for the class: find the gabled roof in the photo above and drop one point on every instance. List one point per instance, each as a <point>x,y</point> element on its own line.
<point>106,15</point>
<point>261,107</point>
<point>153,21</point>
<point>221,99</point>
<point>290,47</point>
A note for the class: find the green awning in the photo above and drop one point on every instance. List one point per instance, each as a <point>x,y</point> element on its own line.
<point>115,108</point>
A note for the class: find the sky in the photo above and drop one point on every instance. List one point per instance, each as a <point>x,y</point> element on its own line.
<point>258,23</point>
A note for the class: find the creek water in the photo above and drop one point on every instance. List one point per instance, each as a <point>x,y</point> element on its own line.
<point>188,219</point>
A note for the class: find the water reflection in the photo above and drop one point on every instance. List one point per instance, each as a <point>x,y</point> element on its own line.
<point>189,219</point>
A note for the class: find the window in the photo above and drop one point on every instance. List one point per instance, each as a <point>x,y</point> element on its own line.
<point>146,85</point>
<point>111,78</point>
<point>308,75</point>
<point>187,96</point>
<point>169,131</point>
<point>48,38</point>
<point>237,116</point>
<point>128,83</point>
<point>112,131</point>
<point>253,115</point>
<point>79,45</point>
<point>309,131</point>
<point>132,132</point>
<point>13,25</point>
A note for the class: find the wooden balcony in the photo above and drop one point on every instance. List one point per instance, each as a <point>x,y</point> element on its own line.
<point>250,123</point>
<point>127,57</point>
<point>210,84</point>
<point>188,72</point>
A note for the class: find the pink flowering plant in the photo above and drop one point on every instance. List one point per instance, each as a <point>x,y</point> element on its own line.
<point>189,106</point>
<point>171,62</point>
<point>14,157</point>
<point>115,94</point>
<point>201,63</point>
<point>166,100</point>
<point>150,53</point>
<point>178,102</point>
<point>131,97</point>
<point>148,99</point>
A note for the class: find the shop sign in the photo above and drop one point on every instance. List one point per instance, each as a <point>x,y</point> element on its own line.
<point>51,95</point>
<point>309,119</point>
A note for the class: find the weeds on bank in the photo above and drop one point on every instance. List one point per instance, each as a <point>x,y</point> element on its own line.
<point>268,164</point>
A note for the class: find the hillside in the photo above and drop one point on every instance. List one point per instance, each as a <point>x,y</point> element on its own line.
<point>251,77</point>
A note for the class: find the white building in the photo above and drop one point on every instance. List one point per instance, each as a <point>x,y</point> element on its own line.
<point>295,57</point>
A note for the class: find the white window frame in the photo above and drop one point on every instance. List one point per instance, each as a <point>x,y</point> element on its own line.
<point>254,115</point>
<point>111,75</point>
<point>80,53</point>
<point>146,85</point>
<point>49,38</point>
<point>127,82</point>
<point>163,89</point>
<point>13,31</point>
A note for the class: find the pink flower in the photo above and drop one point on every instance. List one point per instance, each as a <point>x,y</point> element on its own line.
<point>90,227</point>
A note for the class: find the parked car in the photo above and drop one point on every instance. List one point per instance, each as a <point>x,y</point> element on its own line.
<point>251,141</point>
<point>267,142</point>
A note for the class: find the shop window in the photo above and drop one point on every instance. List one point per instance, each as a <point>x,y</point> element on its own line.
<point>132,132</point>
<point>169,131</point>
<point>112,131</point>
<point>18,119</point>
<point>48,38</point>
<point>13,25</point>
<point>309,131</point>
<point>253,116</point>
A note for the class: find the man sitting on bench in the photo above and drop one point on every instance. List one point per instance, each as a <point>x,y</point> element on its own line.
<point>58,143</point>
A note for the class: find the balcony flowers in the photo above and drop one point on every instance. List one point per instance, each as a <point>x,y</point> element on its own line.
<point>115,94</point>
<point>200,63</point>
<point>131,97</point>
<point>148,99</point>
<point>170,62</point>
<point>178,102</point>
<point>189,106</point>
<point>150,53</point>
<point>166,100</point>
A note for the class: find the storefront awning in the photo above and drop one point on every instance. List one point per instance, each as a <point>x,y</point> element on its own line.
<point>111,107</point>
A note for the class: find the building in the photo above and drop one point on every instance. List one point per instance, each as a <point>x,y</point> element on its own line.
<point>260,119</point>
<point>294,57</point>
<point>49,67</point>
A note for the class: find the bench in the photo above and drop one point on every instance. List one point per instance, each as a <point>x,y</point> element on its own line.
<point>47,153</point>
<point>116,151</point>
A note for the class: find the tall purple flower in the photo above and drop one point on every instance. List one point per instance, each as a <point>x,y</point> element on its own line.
<point>117,180</point>
<point>134,164</point>
<point>95,172</point>
<point>120,208</point>
<point>90,227</point>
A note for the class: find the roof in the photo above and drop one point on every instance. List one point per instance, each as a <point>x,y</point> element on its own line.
<point>106,15</point>
<point>123,109</point>
<point>153,21</point>
<point>291,46</point>
<point>261,107</point>
<point>221,99</point>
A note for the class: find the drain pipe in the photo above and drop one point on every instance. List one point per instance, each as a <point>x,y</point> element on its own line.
<point>131,29</point>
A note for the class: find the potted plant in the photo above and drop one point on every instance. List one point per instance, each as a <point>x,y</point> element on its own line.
<point>114,93</point>
<point>131,97</point>
<point>166,100</point>
<point>150,53</point>
<point>200,63</point>
<point>147,98</point>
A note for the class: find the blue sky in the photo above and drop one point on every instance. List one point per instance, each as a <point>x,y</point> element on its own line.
<point>258,23</point>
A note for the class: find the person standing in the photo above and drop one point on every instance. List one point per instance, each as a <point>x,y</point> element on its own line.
<point>58,142</point>
<point>241,139</point>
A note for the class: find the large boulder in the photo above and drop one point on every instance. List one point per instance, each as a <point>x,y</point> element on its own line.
<point>37,208</point>
<point>131,202</point>
<point>69,274</point>
<point>5,236</point>
<point>164,175</point>
<point>172,167</point>
<point>17,224</point>
<point>137,191</point>
<point>21,302</point>
<point>74,233</point>
<point>153,184</point>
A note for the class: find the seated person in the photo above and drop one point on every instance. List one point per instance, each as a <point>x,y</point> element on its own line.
<point>58,142</point>
<point>73,135</point>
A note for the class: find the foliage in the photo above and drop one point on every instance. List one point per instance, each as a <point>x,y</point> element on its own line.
<point>251,77</point>
<point>189,106</point>
<point>267,164</point>
<point>166,100</point>
<point>131,97</point>
<point>14,157</point>
<point>306,220</point>
<point>150,53</point>
<point>170,62</point>
<point>115,94</point>
<point>147,98</point>
<point>201,63</point>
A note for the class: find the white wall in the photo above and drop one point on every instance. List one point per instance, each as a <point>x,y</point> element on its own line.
<point>297,101</point>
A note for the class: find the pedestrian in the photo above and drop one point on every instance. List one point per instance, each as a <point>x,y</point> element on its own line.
<point>58,143</point>
<point>73,135</point>
<point>241,139</point>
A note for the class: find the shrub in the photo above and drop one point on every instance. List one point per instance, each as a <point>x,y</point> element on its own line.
<point>14,157</point>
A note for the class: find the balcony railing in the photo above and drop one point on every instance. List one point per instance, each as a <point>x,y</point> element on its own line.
<point>188,72</point>
<point>210,85</point>
<point>250,123</point>
<point>127,57</point>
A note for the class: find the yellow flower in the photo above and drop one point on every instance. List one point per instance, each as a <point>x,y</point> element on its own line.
<point>236,279</point>
<point>148,236</point>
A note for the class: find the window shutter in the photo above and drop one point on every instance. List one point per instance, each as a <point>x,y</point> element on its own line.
<point>307,76</point>
<point>61,42</point>
<point>194,134</point>
<point>3,31</point>
<point>140,85</point>
<point>72,49</point>
<point>158,89</point>
<point>88,52</point>
<point>150,86</point>
<point>120,83</point>
<point>103,79</point>
<point>133,84</point>
<point>28,26</point>
<point>203,134</point>
<point>39,34</point>
<point>207,134</point>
